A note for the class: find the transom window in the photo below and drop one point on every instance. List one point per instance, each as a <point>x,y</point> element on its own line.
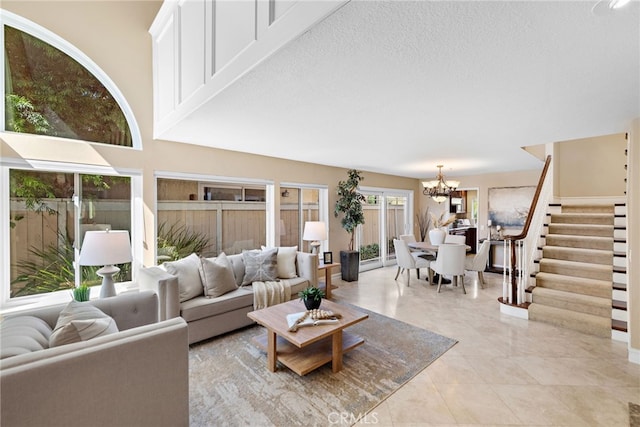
<point>51,88</point>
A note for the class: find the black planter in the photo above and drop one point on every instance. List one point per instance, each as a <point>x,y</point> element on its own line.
<point>349,265</point>
<point>311,303</point>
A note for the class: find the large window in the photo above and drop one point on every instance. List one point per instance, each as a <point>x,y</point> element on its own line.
<point>209,217</point>
<point>49,214</point>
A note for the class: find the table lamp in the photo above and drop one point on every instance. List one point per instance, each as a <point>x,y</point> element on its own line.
<point>106,248</point>
<point>314,231</point>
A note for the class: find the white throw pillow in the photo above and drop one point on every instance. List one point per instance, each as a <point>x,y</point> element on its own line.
<point>259,266</point>
<point>286,261</point>
<point>81,321</point>
<point>217,276</point>
<point>23,334</point>
<point>188,272</point>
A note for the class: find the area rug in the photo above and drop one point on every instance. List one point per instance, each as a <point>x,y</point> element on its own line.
<point>230,385</point>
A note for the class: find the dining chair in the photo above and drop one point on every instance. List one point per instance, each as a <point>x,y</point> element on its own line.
<point>450,261</point>
<point>455,238</point>
<point>478,262</point>
<point>407,260</point>
<point>410,238</point>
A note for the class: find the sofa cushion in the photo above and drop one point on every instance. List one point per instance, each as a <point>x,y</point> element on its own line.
<point>259,265</point>
<point>23,334</point>
<point>81,321</point>
<point>199,308</point>
<point>286,261</point>
<point>187,270</point>
<point>217,276</point>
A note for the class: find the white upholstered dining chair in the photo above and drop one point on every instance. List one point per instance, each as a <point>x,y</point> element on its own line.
<point>450,261</point>
<point>408,261</point>
<point>410,238</point>
<point>478,262</point>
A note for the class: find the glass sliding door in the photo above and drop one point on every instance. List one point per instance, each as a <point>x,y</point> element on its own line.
<point>397,222</point>
<point>370,234</point>
<point>387,216</point>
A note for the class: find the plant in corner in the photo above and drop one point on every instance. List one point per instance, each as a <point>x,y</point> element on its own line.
<point>312,297</point>
<point>349,204</point>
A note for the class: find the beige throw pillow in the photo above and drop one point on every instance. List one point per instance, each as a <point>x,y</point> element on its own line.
<point>286,261</point>
<point>259,266</point>
<point>188,272</point>
<point>217,276</point>
<point>81,321</point>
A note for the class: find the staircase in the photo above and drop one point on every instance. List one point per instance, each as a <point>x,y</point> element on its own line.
<point>574,285</point>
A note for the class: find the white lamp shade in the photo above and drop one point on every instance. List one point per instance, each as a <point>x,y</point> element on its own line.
<point>314,230</point>
<point>105,248</point>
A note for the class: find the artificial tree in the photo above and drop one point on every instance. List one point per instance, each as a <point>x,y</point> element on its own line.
<point>349,205</point>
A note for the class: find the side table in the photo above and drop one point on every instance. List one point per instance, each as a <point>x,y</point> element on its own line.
<point>327,276</point>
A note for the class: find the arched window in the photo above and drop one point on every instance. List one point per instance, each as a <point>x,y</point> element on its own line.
<point>53,89</point>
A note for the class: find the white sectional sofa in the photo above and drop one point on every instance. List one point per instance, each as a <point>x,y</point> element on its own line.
<point>208,316</point>
<point>138,376</point>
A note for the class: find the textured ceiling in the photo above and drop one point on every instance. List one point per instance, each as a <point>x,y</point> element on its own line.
<point>398,87</point>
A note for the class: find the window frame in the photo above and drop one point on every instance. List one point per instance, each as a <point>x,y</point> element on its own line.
<point>136,232</point>
<point>232,182</point>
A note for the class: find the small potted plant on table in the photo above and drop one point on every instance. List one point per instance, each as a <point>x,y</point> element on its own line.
<point>312,297</point>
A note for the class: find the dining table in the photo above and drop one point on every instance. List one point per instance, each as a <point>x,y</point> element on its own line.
<point>433,249</point>
<point>428,247</point>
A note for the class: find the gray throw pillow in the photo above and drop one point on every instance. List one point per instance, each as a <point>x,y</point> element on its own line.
<point>81,321</point>
<point>187,270</point>
<point>286,261</point>
<point>217,276</point>
<point>259,266</point>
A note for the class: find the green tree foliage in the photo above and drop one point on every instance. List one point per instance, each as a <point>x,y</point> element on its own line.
<point>349,204</point>
<point>49,93</point>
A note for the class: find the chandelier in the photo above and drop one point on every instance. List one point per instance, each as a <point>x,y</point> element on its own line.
<point>439,189</point>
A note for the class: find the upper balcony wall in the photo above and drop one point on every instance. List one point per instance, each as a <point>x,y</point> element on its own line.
<point>202,46</point>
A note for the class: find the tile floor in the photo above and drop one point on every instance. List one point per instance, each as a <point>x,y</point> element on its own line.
<point>503,370</point>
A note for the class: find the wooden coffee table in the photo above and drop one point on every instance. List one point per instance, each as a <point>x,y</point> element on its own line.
<point>311,346</point>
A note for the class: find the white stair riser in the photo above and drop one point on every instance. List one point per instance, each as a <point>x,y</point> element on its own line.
<point>619,295</point>
<point>619,315</point>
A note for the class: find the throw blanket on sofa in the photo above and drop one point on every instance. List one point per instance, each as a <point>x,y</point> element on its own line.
<point>270,293</point>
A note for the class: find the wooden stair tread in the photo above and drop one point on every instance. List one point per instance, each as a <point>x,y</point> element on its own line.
<point>619,325</point>
<point>619,305</point>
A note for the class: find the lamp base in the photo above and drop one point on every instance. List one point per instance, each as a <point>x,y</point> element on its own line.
<point>315,247</point>
<point>108,288</point>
